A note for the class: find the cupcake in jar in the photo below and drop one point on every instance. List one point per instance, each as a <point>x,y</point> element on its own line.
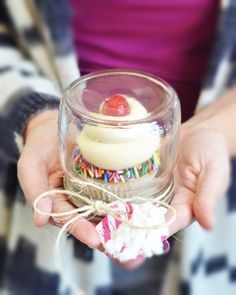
<point>118,132</point>
<point>122,160</point>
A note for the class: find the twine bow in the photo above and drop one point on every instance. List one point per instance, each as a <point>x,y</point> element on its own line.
<point>95,207</point>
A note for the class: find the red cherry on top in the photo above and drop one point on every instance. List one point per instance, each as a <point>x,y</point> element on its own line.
<point>115,105</point>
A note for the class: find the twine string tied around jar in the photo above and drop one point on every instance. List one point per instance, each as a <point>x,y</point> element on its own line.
<point>96,207</point>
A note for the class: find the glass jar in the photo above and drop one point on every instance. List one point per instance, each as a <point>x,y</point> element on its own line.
<point>119,130</point>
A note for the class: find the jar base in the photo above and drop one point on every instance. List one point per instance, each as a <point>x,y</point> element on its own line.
<point>165,194</point>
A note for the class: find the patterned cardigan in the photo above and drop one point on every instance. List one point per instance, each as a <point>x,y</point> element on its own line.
<point>37,61</point>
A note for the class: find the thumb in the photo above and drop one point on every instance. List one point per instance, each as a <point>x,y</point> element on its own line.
<point>212,184</point>
<point>33,178</point>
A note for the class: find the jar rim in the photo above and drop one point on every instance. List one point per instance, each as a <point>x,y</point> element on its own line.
<point>91,118</point>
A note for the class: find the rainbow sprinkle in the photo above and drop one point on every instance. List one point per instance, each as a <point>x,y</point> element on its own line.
<point>82,167</point>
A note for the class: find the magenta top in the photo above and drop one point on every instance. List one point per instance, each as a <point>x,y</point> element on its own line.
<point>171,39</point>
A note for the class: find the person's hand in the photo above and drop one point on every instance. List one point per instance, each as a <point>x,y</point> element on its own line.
<point>202,175</point>
<point>39,169</point>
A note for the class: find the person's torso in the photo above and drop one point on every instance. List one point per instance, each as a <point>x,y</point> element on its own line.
<point>170,39</point>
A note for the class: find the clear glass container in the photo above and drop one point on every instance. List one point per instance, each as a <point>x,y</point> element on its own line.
<point>119,130</point>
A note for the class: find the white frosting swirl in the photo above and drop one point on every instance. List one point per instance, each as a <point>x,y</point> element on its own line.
<point>117,148</point>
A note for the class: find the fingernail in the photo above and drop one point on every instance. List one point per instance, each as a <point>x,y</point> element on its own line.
<point>101,248</point>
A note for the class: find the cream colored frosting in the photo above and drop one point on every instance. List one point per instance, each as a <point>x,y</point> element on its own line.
<point>116,148</point>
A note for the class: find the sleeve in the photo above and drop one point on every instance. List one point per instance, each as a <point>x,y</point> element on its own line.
<point>24,91</point>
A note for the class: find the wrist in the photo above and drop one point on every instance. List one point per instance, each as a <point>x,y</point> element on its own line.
<point>209,121</point>
<point>40,119</point>
<point>219,125</point>
<point>220,116</point>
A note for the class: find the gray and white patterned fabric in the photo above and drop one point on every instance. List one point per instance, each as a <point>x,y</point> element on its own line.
<point>36,63</point>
